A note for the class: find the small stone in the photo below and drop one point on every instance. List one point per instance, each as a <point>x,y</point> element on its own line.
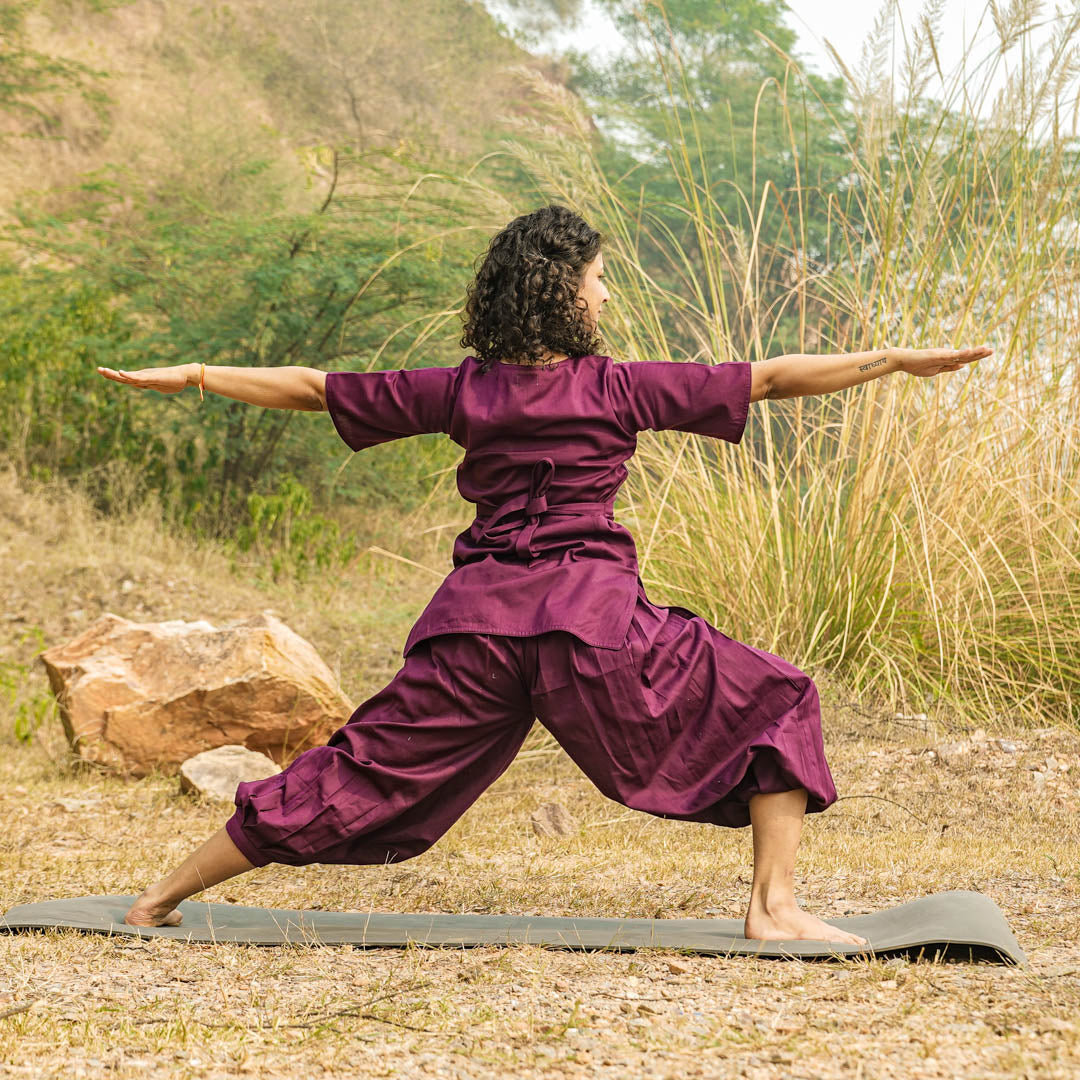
<point>921,717</point>
<point>1040,779</point>
<point>22,1006</point>
<point>553,819</point>
<point>677,967</point>
<point>216,773</point>
<point>73,806</point>
<point>1007,745</point>
<point>562,985</point>
<point>954,749</point>
<point>785,1027</point>
<point>1054,1023</point>
<point>127,585</point>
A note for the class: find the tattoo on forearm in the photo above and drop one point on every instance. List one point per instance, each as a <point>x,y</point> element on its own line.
<point>873,364</point>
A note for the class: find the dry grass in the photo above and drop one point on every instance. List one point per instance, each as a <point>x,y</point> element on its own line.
<point>980,820</point>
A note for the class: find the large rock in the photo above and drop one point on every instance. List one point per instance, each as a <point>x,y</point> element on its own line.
<point>136,696</point>
<point>215,773</point>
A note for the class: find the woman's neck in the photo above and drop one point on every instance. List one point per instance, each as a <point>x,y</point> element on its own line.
<point>550,360</point>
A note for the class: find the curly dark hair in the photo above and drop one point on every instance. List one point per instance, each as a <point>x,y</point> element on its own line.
<point>525,295</point>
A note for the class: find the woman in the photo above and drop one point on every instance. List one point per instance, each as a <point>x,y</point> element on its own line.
<point>544,614</point>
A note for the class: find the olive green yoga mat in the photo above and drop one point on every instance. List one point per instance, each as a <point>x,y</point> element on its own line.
<point>950,925</point>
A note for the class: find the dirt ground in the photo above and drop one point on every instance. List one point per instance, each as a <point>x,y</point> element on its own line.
<point>925,807</point>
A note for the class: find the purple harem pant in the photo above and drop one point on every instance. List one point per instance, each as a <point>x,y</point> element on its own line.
<point>682,722</point>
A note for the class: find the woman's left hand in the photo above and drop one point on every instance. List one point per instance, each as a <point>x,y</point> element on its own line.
<point>924,362</point>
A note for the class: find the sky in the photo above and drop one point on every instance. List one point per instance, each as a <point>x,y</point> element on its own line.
<point>846,25</point>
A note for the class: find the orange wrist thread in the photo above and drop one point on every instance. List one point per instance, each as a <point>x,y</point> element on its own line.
<point>202,380</point>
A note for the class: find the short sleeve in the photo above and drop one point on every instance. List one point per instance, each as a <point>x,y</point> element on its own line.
<point>662,395</point>
<point>370,407</point>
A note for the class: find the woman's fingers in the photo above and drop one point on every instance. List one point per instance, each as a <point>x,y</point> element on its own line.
<point>961,355</point>
<point>116,376</point>
<point>933,361</point>
<point>165,380</point>
<point>929,362</point>
<point>975,353</point>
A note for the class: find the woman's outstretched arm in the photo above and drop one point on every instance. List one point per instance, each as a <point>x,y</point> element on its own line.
<point>804,375</point>
<point>289,387</point>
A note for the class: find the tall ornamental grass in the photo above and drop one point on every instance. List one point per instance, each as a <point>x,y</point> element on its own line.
<point>915,540</point>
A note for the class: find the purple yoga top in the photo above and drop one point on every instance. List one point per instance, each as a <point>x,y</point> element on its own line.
<point>544,453</point>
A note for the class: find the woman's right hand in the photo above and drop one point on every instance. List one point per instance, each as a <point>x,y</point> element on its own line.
<point>924,362</point>
<point>167,380</point>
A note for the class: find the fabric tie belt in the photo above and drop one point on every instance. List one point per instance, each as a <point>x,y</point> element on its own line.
<point>534,504</point>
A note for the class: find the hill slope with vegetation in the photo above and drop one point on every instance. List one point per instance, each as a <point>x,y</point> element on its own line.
<point>180,95</point>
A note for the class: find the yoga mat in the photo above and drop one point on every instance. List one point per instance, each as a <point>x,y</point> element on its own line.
<point>950,925</point>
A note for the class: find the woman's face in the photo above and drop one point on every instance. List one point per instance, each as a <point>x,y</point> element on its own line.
<point>593,290</point>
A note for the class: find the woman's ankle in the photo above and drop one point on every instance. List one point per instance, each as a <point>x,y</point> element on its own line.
<point>156,896</point>
<point>774,901</point>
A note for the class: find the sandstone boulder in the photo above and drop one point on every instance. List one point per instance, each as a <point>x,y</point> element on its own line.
<point>215,773</point>
<point>135,696</point>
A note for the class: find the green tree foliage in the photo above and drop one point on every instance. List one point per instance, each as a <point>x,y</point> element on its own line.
<point>309,226</point>
<point>59,418</point>
<point>349,285</point>
<point>534,19</point>
<point>708,83</point>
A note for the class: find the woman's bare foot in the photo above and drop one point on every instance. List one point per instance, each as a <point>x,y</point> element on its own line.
<point>217,860</point>
<point>791,923</point>
<point>148,910</point>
